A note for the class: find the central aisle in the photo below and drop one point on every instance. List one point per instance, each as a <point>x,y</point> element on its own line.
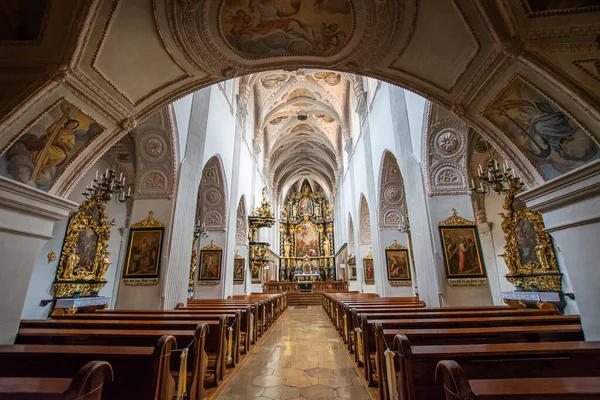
<point>300,358</point>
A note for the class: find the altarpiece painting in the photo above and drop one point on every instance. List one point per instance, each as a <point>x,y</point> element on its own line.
<point>144,252</point>
<point>210,264</point>
<point>84,258</point>
<point>462,251</point>
<point>398,265</point>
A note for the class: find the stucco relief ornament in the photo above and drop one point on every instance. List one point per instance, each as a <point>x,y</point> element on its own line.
<point>154,147</point>
<point>448,177</point>
<point>154,181</point>
<point>448,142</point>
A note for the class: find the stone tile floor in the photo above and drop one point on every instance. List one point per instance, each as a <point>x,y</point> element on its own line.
<point>300,358</point>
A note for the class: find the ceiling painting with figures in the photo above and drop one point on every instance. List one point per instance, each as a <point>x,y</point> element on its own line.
<point>257,28</point>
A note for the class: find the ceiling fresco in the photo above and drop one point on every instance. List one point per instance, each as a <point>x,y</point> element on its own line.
<point>301,116</point>
<point>258,28</point>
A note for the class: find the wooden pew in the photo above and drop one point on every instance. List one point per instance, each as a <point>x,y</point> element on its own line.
<point>183,314</point>
<point>134,320</point>
<point>258,310</point>
<point>416,364</point>
<point>460,387</point>
<point>207,355</point>
<point>465,335</point>
<point>359,317</point>
<point>139,372</point>
<point>88,383</point>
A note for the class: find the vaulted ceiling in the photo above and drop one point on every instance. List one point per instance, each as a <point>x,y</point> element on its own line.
<point>120,61</point>
<point>301,116</point>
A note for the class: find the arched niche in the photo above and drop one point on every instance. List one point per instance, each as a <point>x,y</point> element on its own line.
<point>212,196</point>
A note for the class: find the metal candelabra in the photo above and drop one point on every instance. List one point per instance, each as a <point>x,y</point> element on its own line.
<point>107,185</point>
<point>495,177</point>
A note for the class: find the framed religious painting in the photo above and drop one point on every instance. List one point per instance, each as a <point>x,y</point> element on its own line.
<point>210,264</point>
<point>239,269</point>
<point>352,268</point>
<point>462,251</point>
<point>528,252</point>
<point>369,269</point>
<point>398,265</point>
<point>142,263</point>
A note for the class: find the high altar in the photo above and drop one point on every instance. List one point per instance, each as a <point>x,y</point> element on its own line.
<point>306,237</point>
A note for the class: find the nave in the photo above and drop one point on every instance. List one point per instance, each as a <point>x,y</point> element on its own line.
<point>301,357</point>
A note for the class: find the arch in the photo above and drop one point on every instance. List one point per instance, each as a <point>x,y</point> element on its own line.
<point>392,199</point>
<point>351,241</point>
<point>241,224</point>
<point>365,222</point>
<point>212,196</point>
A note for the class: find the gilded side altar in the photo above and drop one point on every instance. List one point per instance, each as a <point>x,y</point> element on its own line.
<point>84,258</point>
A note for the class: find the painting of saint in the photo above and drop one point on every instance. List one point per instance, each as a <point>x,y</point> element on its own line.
<point>43,152</point>
<point>369,270</point>
<point>398,265</point>
<point>305,206</point>
<point>210,265</point>
<point>307,240</point>
<point>143,256</point>
<point>461,252</point>
<point>256,28</point>
<point>238,270</point>
<point>527,240</point>
<point>87,243</point>
<point>553,142</point>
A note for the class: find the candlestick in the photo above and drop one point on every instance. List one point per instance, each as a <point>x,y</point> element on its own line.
<point>472,183</point>
<point>129,191</point>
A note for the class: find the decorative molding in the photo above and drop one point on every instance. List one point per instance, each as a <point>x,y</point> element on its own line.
<point>455,220</point>
<point>392,202</point>
<point>212,196</point>
<point>148,222</point>
<point>365,223</point>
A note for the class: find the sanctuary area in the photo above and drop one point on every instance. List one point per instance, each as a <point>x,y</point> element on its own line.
<point>281,199</point>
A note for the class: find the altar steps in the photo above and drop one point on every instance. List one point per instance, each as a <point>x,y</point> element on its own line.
<point>304,299</point>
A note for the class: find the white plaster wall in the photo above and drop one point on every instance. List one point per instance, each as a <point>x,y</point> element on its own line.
<point>147,297</point>
<point>182,109</point>
<point>40,285</point>
<point>440,208</point>
<point>494,206</point>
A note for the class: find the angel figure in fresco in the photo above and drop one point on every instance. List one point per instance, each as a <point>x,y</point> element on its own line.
<point>547,130</point>
<point>52,148</point>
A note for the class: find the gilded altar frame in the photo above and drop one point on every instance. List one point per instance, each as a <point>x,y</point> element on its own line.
<point>84,257</point>
<point>542,274</point>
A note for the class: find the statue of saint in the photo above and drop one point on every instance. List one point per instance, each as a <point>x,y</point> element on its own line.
<point>287,247</point>
<point>318,208</point>
<point>72,262</point>
<point>294,210</point>
<point>329,212</point>
<point>326,247</point>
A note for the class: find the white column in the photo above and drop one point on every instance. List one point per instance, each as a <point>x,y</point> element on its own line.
<point>27,217</point>
<point>489,258</point>
<point>570,206</point>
